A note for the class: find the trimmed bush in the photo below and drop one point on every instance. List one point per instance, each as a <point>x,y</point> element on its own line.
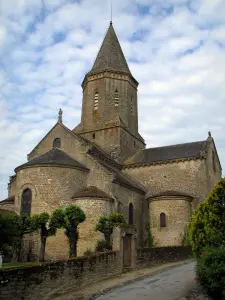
<point>88,252</point>
<point>207,226</point>
<point>103,246</point>
<point>210,271</point>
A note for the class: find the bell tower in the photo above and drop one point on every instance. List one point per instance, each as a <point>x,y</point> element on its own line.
<point>109,109</point>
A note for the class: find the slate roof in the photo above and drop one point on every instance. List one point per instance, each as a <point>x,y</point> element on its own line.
<point>53,157</point>
<point>110,56</point>
<point>91,191</point>
<point>121,178</point>
<point>167,153</point>
<point>9,200</point>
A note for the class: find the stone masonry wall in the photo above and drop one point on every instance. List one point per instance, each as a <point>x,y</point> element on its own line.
<point>50,280</point>
<point>188,176</point>
<point>69,144</point>
<point>94,209</point>
<point>52,187</point>
<point>98,176</point>
<point>7,206</point>
<point>12,187</point>
<point>126,196</point>
<point>152,256</point>
<point>177,210</point>
<point>214,171</point>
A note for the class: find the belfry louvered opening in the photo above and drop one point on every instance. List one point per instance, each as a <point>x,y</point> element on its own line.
<point>116,98</point>
<point>96,101</point>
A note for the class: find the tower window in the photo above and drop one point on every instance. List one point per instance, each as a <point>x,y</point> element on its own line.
<point>96,101</point>
<point>162,220</point>
<point>93,136</point>
<point>116,98</point>
<point>57,143</point>
<point>131,214</point>
<point>26,202</point>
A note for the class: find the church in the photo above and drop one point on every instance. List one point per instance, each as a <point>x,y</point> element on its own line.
<point>103,166</point>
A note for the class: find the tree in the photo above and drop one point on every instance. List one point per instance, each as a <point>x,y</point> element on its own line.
<point>23,224</point>
<point>106,224</point>
<point>8,232</point>
<point>207,226</point>
<point>69,218</point>
<point>44,224</point>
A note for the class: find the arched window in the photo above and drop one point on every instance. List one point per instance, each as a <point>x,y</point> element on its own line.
<point>131,214</point>
<point>116,98</point>
<point>26,202</point>
<point>162,220</point>
<point>214,161</point>
<point>96,101</point>
<point>57,143</point>
<point>93,136</point>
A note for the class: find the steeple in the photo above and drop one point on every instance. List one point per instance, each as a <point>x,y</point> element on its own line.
<point>109,108</point>
<point>110,56</point>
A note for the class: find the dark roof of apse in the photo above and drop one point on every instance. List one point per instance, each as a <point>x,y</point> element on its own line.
<point>167,153</point>
<point>91,191</point>
<point>9,200</point>
<point>53,157</point>
<point>110,56</point>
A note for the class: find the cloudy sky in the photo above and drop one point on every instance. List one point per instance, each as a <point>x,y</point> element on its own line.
<point>175,49</point>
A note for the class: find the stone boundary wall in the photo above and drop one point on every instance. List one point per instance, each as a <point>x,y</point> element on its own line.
<point>153,256</point>
<point>52,279</point>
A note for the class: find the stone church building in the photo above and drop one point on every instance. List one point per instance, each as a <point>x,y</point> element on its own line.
<point>103,165</point>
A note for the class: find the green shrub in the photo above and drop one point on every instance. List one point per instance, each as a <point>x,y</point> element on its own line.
<point>88,252</point>
<point>105,224</point>
<point>185,241</point>
<point>207,226</point>
<point>150,238</point>
<point>103,246</point>
<point>210,271</point>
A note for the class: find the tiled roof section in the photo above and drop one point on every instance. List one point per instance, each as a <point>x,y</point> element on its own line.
<point>9,200</point>
<point>167,193</point>
<point>91,191</point>
<point>53,157</point>
<point>167,153</point>
<point>120,178</point>
<point>110,56</point>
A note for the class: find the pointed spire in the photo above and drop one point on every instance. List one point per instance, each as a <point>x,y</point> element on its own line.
<point>110,56</point>
<point>60,116</point>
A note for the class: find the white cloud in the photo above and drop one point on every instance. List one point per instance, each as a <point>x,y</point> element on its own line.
<point>178,59</point>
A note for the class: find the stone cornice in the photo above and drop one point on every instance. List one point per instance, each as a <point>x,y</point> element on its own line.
<point>161,162</point>
<point>170,197</point>
<point>111,75</point>
<point>51,165</point>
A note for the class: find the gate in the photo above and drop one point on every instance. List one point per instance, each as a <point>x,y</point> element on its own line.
<point>127,249</point>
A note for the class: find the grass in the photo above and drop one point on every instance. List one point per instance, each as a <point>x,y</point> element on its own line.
<point>12,265</point>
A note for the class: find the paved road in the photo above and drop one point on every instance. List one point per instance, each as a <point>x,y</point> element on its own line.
<point>168,285</point>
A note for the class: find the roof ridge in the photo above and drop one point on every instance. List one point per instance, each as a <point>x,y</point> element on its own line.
<point>188,143</point>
